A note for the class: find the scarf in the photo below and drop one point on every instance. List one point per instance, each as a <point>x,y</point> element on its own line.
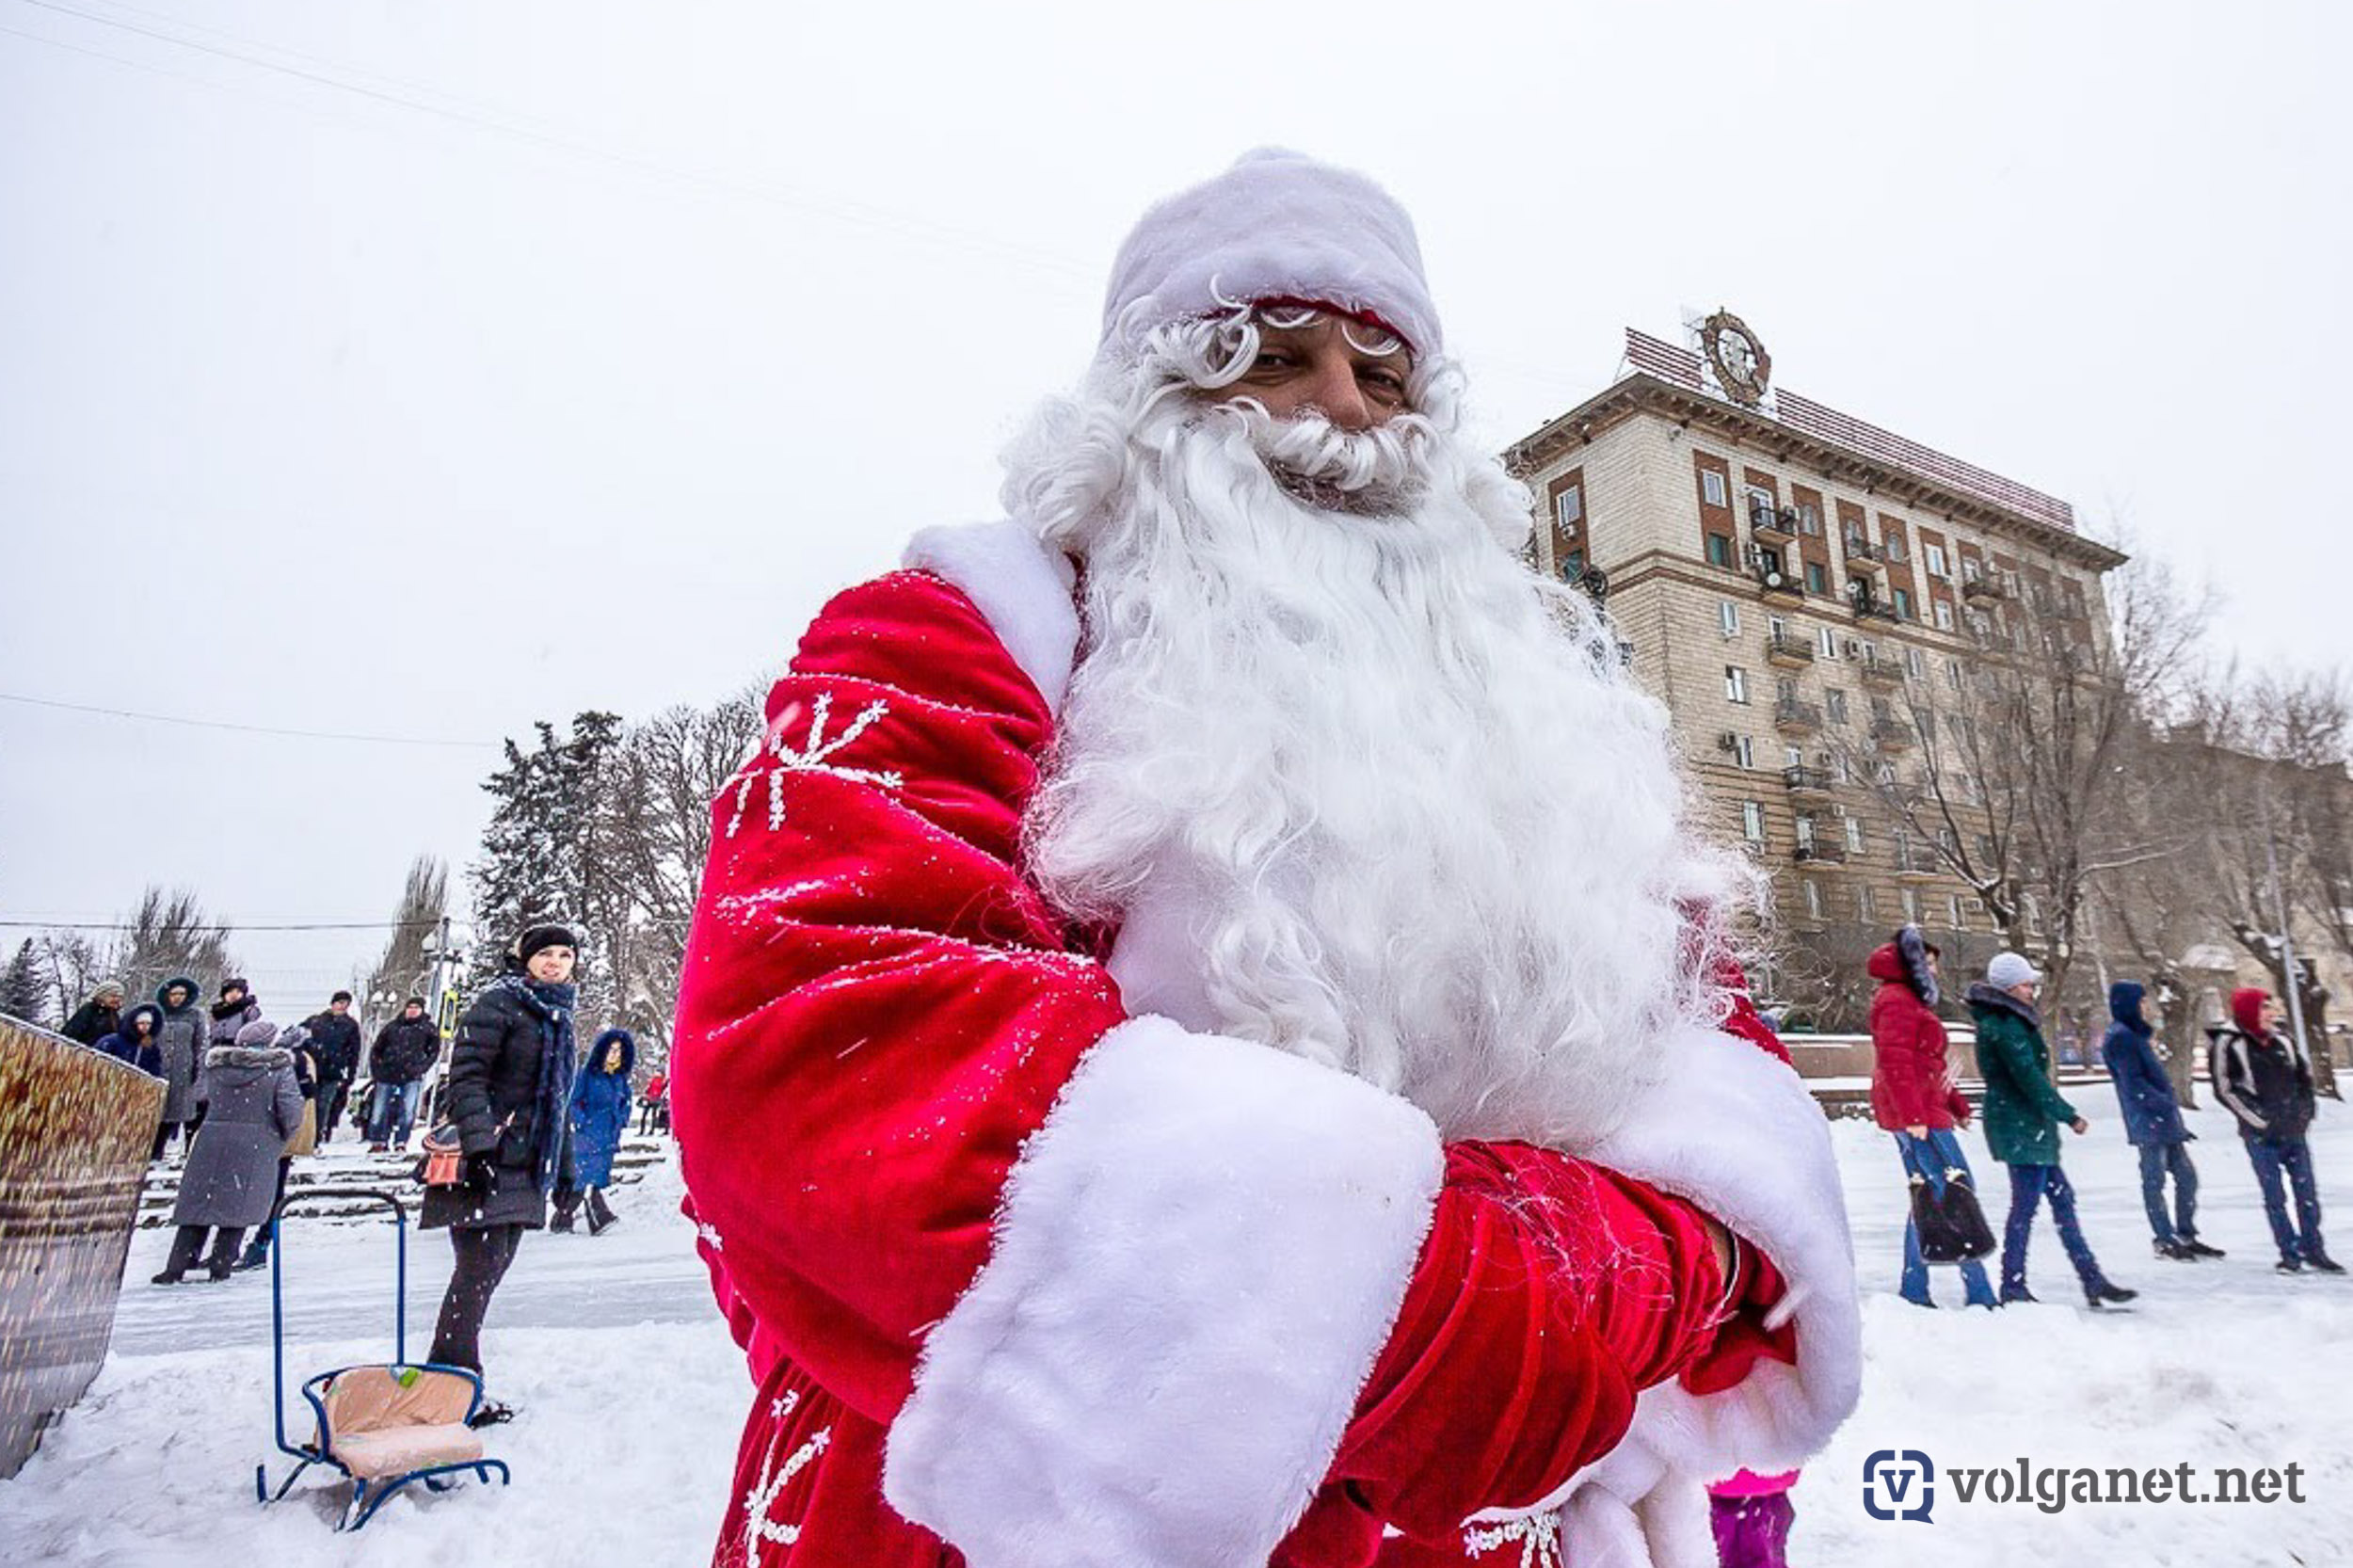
<point>550,1008</point>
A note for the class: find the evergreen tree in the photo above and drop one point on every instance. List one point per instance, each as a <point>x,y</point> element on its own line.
<point>24,994</point>
<point>537,862</point>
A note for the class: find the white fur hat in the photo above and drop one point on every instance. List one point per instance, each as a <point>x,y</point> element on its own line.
<point>1276,225</point>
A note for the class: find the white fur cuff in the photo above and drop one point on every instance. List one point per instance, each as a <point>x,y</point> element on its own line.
<point>1022,588</point>
<point>1198,1258</point>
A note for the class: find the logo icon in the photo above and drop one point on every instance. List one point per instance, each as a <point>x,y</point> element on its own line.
<point>1899,1485</point>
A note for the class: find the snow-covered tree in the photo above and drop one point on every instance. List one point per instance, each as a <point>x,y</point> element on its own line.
<point>24,994</point>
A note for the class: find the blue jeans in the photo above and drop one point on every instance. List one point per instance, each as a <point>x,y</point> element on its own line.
<point>392,1111</point>
<point>2157,1160</point>
<point>2272,1155</point>
<point>1931,1158</point>
<point>2028,1186</point>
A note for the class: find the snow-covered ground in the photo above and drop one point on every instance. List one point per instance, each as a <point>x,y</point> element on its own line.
<point>631,1394</point>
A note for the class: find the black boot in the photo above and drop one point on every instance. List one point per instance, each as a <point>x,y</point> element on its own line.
<point>2200,1249</point>
<point>2315,1258</point>
<point>2289,1266</point>
<point>2106,1294</point>
<point>600,1215</point>
<point>2015,1293</point>
<point>2178,1251</point>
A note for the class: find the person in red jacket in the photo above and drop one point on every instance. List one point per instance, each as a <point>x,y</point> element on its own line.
<point>1914,1095</point>
<point>1206,1038</point>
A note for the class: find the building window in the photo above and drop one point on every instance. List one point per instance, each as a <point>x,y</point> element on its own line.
<point>1935,553</point>
<point>1854,835</point>
<point>1792,758</point>
<point>1569,507</point>
<point>1912,905</point>
<point>1904,605</point>
<point>1960,921</point>
<point>1838,774</point>
<point>1896,546</point>
<point>1719,550</point>
<point>1751,822</point>
<point>1826,642</point>
<point>1744,751</point>
<point>1816,578</point>
<point>1863,910</point>
<point>1952,674</point>
<point>1809,520</point>
<point>1571,565</point>
<point>1735,683</point>
<point>1835,702</point>
<point>1805,830</point>
<point>1915,665</point>
<point>1944,615</point>
<point>1760,507</point>
<point>1812,899</point>
<point>1728,616</point>
<point>1712,486</point>
<point>1776,629</point>
<point>1784,690</point>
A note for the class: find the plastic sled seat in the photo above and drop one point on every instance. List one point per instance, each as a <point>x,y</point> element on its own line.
<point>382,1424</point>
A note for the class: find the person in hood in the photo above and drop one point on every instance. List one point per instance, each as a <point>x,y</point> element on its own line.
<point>510,1086</point>
<point>98,1018</point>
<point>183,1037</point>
<point>1914,1097</point>
<point>296,1042</point>
<point>135,1041</point>
<point>2152,1123</point>
<point>335,1039</point>
<point>2264,1079</point>
<point>253,1105</point>
<point>404,1052</point>
<point>599,1112</point>
<point>2023,1115</point>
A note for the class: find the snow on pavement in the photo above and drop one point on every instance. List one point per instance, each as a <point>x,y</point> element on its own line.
<point>631,1394</point>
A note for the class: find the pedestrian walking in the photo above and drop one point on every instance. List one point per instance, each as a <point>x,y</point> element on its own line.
<point>185,1037</point>
<point>2152,1124</point>
<point>135,1042</point>
<point>599,1112</point>
<point>1914,1097</point>
<point>253,1104</point>
<point>654,1106</point>
<point>2023,1115</point>
<point>98,1018</point>
<point>2264,1079</point>
<point>335,1040</point>
<point>510,1084</point>
<point>405,1051</point>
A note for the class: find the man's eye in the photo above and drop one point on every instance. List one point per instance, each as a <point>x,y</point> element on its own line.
<point>1272,361</point>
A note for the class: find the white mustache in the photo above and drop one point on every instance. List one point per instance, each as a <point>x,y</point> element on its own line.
<point>1377,470</point>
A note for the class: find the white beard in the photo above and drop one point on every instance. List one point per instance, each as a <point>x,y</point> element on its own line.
<point>1383,793</point>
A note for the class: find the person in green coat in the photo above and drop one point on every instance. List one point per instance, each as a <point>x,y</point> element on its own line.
<point>2024,1113</point>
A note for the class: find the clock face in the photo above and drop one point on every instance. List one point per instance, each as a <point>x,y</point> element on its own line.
<point>1737,356</point>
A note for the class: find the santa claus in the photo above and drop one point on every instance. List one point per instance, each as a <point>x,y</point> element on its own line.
<point>1210,1039</point>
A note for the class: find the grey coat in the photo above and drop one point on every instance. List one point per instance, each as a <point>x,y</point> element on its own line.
<point>183,1040</point>
<point>253,1105</point>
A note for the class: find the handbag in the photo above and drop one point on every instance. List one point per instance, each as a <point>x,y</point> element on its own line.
<point>1952,1226</point>
<point>444,1161</point>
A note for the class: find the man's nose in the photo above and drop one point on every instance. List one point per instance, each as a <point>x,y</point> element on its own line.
<point>1336,391</point>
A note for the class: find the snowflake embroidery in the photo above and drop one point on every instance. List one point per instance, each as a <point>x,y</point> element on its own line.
<point>1538,1534</point>
<point>758,1527</point>
<point>811,756</point>
<point>785,1403</point>
<point>709,1232</point>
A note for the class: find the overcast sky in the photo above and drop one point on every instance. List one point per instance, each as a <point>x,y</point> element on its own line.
<point>419,368</point>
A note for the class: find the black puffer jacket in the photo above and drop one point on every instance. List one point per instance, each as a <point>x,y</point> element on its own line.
<point>405,1050</point>
<point>493,1098</point>
<point>336,1039</point>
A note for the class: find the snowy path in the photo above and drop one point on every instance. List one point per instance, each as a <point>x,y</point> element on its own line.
<point>631,1394</point>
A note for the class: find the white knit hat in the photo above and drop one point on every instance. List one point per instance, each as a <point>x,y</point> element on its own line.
<point>2009,969</point>
<point>1276,225</point>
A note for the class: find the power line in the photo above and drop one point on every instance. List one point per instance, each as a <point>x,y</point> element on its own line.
<point>246,728</point>
<point>229,927</point>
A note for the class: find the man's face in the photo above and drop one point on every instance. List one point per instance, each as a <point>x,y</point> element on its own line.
<point>413,1011</point>
<point>551,966</point>
<point>339,1007</point>
<point>1321,365</point>
<point>2274,1015</point>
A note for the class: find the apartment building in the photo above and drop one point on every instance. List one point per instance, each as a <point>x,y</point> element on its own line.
<point>1802,588</point>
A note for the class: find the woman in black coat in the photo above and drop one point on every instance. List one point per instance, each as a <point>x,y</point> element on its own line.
<point>510,1079</point>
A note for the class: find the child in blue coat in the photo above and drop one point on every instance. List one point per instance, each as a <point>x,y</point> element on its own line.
<point>600,1111</point>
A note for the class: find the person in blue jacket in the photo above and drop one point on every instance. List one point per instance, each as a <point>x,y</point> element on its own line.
<point>134,1040</point>
<point>600,1111</point>
<point>2152,1123</point>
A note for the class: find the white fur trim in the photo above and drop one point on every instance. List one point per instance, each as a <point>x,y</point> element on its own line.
<point>1735,1132</point>
<point>1199,1256</point>
<point>1023,589</point>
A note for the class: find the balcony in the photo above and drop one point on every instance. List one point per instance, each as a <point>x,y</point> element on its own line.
<point>1877,671</point>
<point>1863,556</point>
<point>1822,852</point>
<point>1911,866</point>
<point>1983,590</point>
<point>1771,527</point>
<point>1806,781</point>
<point>1872,607</point>
<point>1791,653</point>
<point>1892,734</point>
<point>1796,718</point>
<point>1781,587</point>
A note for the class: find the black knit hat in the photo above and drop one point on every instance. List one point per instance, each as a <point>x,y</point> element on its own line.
<point>537,937</point>
<point>235,982</point>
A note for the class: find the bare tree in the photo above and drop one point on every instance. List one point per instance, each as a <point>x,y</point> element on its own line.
<point>400,971</point>
<point>169,936</point>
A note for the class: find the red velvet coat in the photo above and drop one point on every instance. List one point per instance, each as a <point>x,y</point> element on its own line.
<point>1073,1287</point>
<point>1912,1067</point>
